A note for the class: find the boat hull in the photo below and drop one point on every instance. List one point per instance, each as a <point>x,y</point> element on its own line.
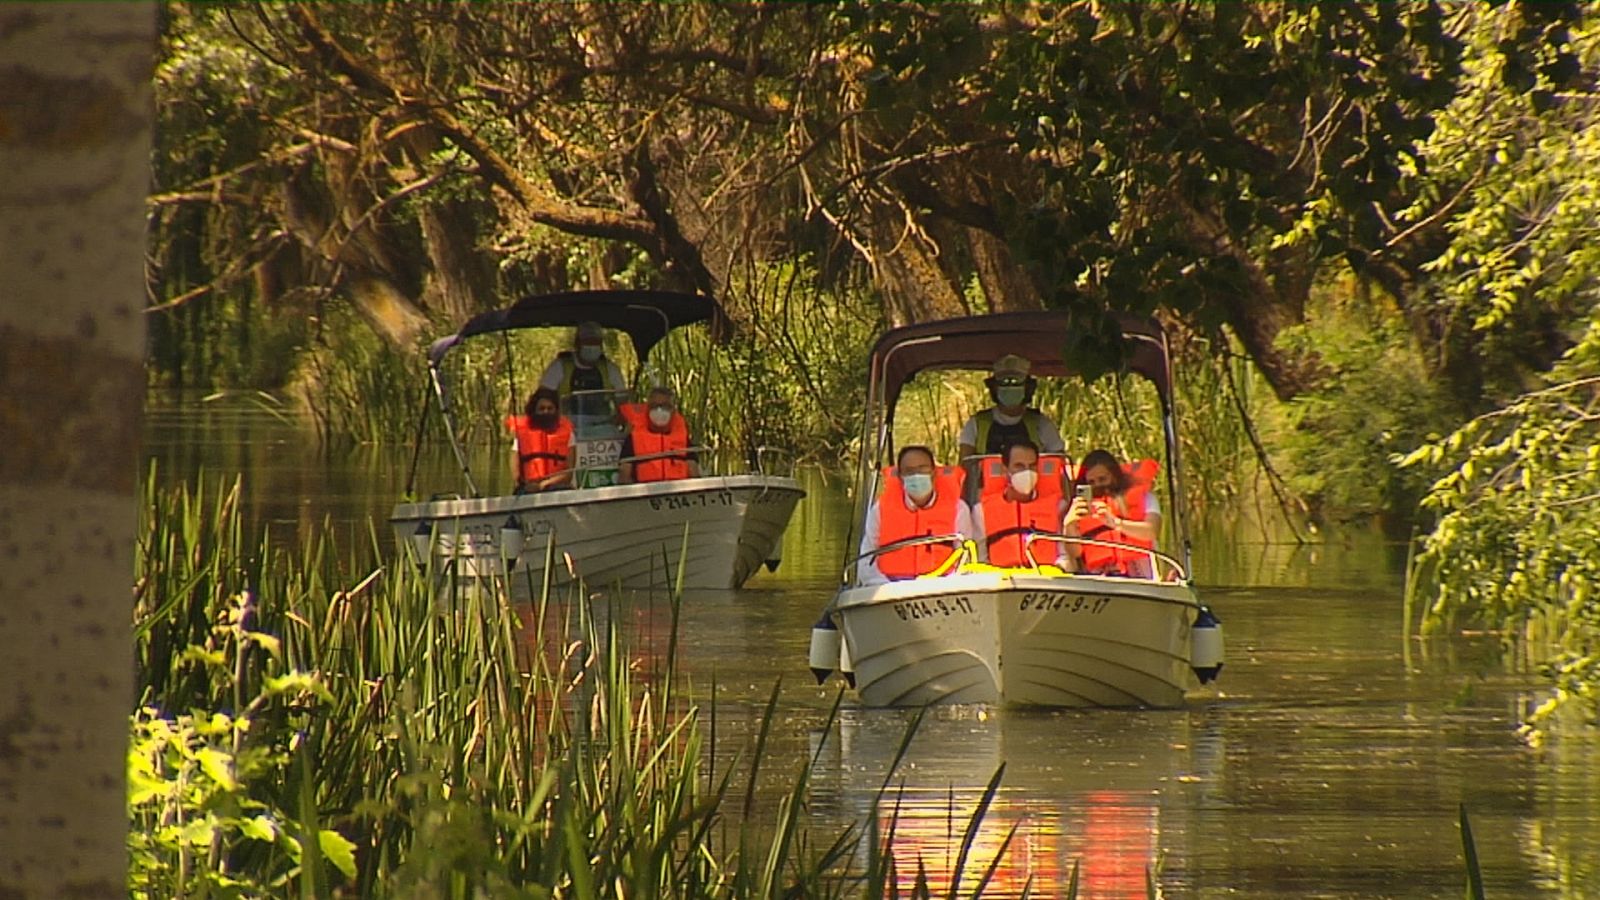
<point>1020,640</point>
<point>718,530</point>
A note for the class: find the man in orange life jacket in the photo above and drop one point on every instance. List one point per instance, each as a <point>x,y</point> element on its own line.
<point>656,430</point>
<point>1029,503</point>
<point>544,443</point>
<point>913,505</point>
<point>1010,419</point>
<point>1124,511</point>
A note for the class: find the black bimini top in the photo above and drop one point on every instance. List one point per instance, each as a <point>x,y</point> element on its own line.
<point>975,342</point>
<point>646,316</point>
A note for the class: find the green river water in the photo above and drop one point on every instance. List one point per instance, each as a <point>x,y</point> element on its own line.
<point>1330,759</point>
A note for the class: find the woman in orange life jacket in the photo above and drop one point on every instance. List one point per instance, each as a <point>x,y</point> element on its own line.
<point>929,504</point>
<point>655,427</point>
<point>1124,511</point>
<point>1028,503</point>
<point>544,443</point>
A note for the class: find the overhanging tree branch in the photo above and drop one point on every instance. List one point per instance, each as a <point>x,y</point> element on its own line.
<point>540,207</point>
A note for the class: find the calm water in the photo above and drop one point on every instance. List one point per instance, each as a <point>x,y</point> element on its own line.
<point>1330,761</point>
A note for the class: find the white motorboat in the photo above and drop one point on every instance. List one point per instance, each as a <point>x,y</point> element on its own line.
<point>1029,636</point>
<point>711,531</point>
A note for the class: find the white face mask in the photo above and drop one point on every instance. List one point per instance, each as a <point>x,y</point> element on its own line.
<point>918,486</point>
<point>660,416</point>
<point>589,354</point>
<point>1025,481</point>
<point>1010,395</point>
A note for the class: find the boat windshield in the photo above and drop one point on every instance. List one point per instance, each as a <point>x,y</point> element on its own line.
<point>597,435</point>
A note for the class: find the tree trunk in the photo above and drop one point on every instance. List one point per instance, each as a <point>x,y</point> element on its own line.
<point>75,90</point>
<point>1005,285</point>
<point>1266,304</point>
<point>905,267</point>
<point>366,267</point>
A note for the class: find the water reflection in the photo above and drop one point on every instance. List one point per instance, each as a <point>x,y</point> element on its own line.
<point>1090,790</point>
<point>1330,760</point>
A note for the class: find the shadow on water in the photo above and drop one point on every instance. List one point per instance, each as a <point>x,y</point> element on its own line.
<point>1329,760</point>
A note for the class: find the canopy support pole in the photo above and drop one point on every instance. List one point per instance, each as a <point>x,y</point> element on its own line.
<point>416,442</point>
<point>450,429</point>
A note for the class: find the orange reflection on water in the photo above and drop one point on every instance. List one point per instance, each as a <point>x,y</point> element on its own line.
<point>1111,836</point>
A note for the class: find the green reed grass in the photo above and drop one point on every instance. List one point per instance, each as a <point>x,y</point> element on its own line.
<point>1469,852</point>
<point>308,728</point>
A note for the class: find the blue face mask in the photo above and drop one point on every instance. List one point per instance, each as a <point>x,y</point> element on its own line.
<point>1010,395</point>
<point>918,486</point>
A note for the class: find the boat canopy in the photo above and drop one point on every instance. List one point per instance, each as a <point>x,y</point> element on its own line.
<point>646,316</point>
<point>975,342</point>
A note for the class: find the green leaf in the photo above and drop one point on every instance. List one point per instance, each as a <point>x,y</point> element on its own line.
<point>339,850</point>
<point>142,788</point>
<point>219,766</point>
<point>260,828</point>
<point>199,832</point>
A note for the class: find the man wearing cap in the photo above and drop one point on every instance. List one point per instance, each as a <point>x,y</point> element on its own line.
<point>1010,419</point>
<point>584,369</point>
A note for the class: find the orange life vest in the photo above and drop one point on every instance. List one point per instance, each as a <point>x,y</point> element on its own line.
<point>647,442</point>
<point>896,523</point>
<point>540,453</point>
<point>1009,522</point>
<point>1102,560</point>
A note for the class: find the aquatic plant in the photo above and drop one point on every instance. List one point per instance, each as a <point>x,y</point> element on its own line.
<point>303,728</point>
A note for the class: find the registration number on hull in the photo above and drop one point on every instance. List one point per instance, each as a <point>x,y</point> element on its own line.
<point>693,501</point>
<point>1046,601</point>
<point>910,610</point>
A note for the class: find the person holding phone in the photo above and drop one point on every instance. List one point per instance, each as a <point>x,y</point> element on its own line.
<point>1114,504</point>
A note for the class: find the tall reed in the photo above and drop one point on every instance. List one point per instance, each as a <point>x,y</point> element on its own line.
<point>306,727</point>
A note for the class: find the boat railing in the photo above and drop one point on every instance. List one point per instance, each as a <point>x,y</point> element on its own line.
<point>1162,566</point>
<point>769,460</point>
<point>963,549</point>
<point>666,454</point>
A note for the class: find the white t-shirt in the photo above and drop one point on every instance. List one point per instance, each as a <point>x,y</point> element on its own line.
<point>867,570</point>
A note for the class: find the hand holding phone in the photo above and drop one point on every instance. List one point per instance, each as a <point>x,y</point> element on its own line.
<point>1085,493</point>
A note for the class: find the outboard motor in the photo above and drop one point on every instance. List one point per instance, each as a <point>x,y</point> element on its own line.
<point>1205,646</point>
<point>825,648</point>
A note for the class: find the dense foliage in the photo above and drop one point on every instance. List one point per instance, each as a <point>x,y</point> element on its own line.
<point>1386,210</point>
<point>1518,542</point>
<point>302,730</point>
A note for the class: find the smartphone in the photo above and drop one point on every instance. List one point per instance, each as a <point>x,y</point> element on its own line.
<point>1085,493</point>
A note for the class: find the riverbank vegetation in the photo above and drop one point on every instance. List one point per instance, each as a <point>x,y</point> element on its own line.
<point>1371,228</point>
<point>305,728</point>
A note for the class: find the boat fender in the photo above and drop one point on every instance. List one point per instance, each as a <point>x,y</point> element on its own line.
<point>422,543</point>
<point>776,558</point>
<point>511,540</point>
<point>846,667</point>
<point>824,648</point>
<point>1205,646</point>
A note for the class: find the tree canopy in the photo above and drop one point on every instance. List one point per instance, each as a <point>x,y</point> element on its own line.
<point>1210,161</point>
